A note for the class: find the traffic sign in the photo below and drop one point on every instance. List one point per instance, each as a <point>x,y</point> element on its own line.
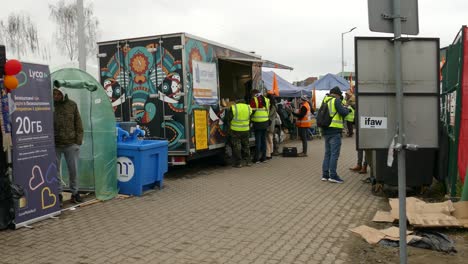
<point>381,16</point>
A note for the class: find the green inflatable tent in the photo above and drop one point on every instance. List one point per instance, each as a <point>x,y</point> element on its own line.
<point>97,169</point>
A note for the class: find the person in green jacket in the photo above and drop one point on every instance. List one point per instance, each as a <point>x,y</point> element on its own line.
<point>68,131</point>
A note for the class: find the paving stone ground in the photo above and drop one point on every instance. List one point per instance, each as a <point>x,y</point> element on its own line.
<point>277,212</point>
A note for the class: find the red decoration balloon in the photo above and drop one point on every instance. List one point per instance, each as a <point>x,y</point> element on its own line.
<point>10,82</point>
<point>12,67</point>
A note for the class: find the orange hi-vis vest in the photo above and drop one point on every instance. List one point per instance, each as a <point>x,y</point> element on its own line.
<point>305,121</point>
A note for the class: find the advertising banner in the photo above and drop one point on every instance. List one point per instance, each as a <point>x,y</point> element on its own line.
<point>201,129</point>
<point>34,161</point>
<point>205,83</point>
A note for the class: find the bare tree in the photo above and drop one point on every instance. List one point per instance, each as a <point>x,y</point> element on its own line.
<point>44,53</point>
<point>64,14</point>
<point>19,34</point>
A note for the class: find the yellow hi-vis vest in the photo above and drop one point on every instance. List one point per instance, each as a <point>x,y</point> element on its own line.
<point>261,114</point>
<point>305,121</point>
<point>337,121</point>
<point>350,116</point>
<point>241,117</point>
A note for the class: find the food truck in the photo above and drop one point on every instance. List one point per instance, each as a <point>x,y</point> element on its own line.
<point>179,87</point>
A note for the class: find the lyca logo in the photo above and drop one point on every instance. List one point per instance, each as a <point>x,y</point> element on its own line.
<point>37,74</point>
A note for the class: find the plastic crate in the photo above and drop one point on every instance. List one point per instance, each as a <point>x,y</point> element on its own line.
<point>141,165</point>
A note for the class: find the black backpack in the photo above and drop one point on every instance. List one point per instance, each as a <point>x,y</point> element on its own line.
<point>7,213</point>
<point>323,115</point>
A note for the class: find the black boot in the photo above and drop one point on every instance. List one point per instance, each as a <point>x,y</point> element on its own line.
<point>76,198</point>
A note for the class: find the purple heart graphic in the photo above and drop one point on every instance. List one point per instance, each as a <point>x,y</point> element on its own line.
<point>51,174</point>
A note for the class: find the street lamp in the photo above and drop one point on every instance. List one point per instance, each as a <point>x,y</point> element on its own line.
<point>342,50</point>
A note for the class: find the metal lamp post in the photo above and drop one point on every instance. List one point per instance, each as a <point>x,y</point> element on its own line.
<point>342,49</point>
<point>81,35</point>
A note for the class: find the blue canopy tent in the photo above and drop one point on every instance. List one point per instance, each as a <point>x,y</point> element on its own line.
<point>286,89</point>
<point>327,82</point>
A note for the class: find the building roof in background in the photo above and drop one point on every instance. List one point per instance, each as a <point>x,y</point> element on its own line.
<point>345,75</point>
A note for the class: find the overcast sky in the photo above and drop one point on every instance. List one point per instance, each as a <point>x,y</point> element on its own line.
<point>303,34</point>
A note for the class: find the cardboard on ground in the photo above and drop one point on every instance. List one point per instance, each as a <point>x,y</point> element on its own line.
<point>461,212</point>
<point>373,236</point>
<point>422,214</point>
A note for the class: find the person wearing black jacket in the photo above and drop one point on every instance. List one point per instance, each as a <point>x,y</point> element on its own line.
<point>332,135</point>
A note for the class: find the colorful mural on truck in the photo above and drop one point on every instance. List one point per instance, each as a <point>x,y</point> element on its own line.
<point>135,69</point>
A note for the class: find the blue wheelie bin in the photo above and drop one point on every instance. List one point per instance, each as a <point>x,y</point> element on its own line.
<point>141,165</point>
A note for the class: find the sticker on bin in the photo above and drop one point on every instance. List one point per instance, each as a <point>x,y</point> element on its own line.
<point>125,169</point>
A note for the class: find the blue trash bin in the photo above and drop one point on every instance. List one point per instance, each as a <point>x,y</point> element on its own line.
<point>141,165</point>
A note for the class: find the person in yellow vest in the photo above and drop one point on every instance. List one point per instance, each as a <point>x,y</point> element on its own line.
<point>239,117</point>
<point>332,135</point>
<point>350,116</point>
<point>350,101</point>
<point>260,107</point>
<point>303,123</point>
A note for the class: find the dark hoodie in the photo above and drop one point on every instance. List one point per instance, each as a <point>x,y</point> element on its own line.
<point>68,128</point>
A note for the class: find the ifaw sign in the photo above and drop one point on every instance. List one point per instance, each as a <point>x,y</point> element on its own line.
<point>373,122</point>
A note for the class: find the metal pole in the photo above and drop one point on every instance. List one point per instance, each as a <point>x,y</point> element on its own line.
<point>164,95</point>
<point>81,35</point>
<point>400,130</point>
<point>342,54</point>
<point>119,61</point>
<point>342,50</point>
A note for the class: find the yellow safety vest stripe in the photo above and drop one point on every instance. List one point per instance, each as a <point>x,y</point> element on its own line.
<point>241,117</point>
<point>337,121</point>
<point>261,114</point>
<point>350,116</point>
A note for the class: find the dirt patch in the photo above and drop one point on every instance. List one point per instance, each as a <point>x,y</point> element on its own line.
<point>359,251</point>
